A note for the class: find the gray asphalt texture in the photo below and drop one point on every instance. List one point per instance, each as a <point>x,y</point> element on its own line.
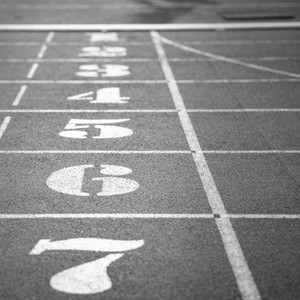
<point>181,258</point>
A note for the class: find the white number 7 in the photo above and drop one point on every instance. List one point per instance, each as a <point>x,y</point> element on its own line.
<point>90,277</point>
<point>106,131</point>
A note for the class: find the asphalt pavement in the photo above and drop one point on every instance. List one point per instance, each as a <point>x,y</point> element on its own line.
<point>149,165</point>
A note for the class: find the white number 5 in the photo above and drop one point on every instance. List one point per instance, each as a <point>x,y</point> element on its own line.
<point>74,128</point>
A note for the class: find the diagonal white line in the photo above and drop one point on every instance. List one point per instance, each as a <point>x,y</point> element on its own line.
<point>20,95</point>
<point>4,125</point>
<point>229,60</point>
<point>233,249</point>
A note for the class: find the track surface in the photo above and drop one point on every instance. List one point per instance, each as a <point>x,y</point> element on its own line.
<point>183,185</point>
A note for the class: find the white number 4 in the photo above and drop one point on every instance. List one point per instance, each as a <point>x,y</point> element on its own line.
<point>74,128</point>
<point>105,95</point>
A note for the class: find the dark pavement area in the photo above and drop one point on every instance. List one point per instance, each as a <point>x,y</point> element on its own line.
<point>137,169</point>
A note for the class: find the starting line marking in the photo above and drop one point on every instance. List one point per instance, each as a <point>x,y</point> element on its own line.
<point>242,273</point>
<point>149,216</point>
<point>150,27</point>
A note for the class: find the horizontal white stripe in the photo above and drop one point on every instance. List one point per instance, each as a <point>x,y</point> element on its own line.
<point>149,27</point>
<point>148,216</point>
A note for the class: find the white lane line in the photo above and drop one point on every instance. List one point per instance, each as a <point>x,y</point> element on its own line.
<point>233,249</point>
<point>88,110</point>
<point>245,110</point>
<point>67,60</point>
<point>106,216</point>
<point>143,60</point>
<point>41,54</point>
<point>4,125</point>
<point>148,151</point>
<point>81,81</point>
<point>185,42</point>
<point>242,110</point>
<point>150,27</point>
<point>49,37</point>
<point>95,151</point>
<point>148,216</point>
<point>229,60</point>
<point>239,42</point>
<point>42,51</point>
<point>181,81</point>
<point>20,95</point>
<point>32,70</point>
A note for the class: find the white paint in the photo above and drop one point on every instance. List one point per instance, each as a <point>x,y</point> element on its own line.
<point>245,281</point>
<point>87,110</point>
<point>74,129</point>
<point>104,95</point>
<point>147,216</point>
<point>149,27</point>
<point>20,95</point>
<point>103,36</point>
<point>32,70</point>
<point>149,151</point>
<point>99,151</point>
<point>70,180</point>
<point>4,125</point>
<point>42,51</point>
<point>181,81</point>
<point>105,70</point>
<point>104,51</point>
<point>49,37</point>
<point>90,277</point>
<point>229,60</point>
<point>86,244</point>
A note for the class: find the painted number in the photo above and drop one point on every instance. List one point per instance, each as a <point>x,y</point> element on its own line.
<point>90,277</point>
<point>70,180</point>
<point>103,36</point>
<point>105,95</point>
<point>103,71</point>
<point>74,129</point>
<point>104,51</point>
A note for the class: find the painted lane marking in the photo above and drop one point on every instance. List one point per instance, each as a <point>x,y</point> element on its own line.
<point>185,42</point>
<point>225,110</point>
<point>149,151</point>
<point>74,129</point>
<point>87,110</point>
<point>90,277</point>
<point>229,60</point>
<point>20,95</point>
<point>41,53</point>
<point>96,151</point>
<point>214,81</point>
<point>104,95</point>
<point>32,70</point>
<point>102,36</point>
<point>4,125</point>
<point>70,180</point>
<point>150,27</point>
<point>104,51</point>
<point>143,60</point>
<point>147,216</point>
<point>106,70</point>
<point>86,244</point>
<point>245,281</point>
